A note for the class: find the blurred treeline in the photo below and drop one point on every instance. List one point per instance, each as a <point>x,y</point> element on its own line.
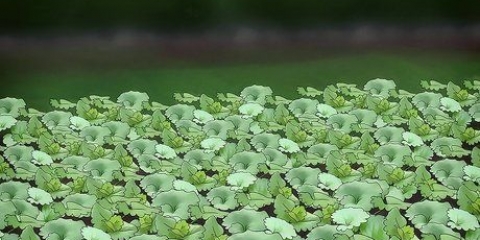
<point>179,15</point>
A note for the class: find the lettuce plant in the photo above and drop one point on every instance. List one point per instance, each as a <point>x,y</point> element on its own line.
<point>343,162</point>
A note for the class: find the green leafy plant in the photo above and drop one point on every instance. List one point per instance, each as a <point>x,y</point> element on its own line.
<point>369,163</point>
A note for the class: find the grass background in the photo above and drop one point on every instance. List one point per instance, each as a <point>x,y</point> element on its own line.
<point>160,81</point>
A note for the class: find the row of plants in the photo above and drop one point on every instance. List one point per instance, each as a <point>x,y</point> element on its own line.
<point>343,163</point>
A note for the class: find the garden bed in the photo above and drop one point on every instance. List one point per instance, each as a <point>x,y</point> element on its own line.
<point>374,162</point>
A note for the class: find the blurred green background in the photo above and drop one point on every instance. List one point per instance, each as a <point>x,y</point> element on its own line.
<point>72,49</point>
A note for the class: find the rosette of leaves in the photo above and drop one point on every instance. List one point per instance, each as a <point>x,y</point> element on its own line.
<point>95,134</point>
<point>171,228</point>
<point>449,172</point>
<point>343,140</point>
<point>19,214</point>
<point>47,179</point>
<point>412,139</point>
<point>118,132</point>
<point>20,157</point>
<point>360,194</point>
<point>469,135</point>
<point>349,218</point>
<point>422,129</point>
<point>255,196</point>
<point>74,162</point>
<point>19,132</point>
<point>448,147</point>
<point>332,98</point>
<point>276,160</point>
<point>438,231</point>
<point>242,126</point>
<point>134,118</point>
<point>245,220</point>
<point>288,146</point>
<point>365,119</point>
<point>460,95</point>
<point>325,110</point>
<point>303,176</point>
<point>315,197</point>
<point>468,196</point>
<point>472,173</point>
<point>202,117</point>
<point>57,119</point>
<point>39,196</point>
<point>429,188</point>
<point>393,154</point>
<point>474,111</point>
<point>104,219</point>
<point>156,183</point>
<point>79,204</point>
<point>223,198</point>
<point>199,179</point>
<point>212,144</point>
<point>304,108</point>
<point>380,87</point>
<point>381,106</point>
<point>251,109</point>
<point>425,212</point>
<point>102,168</point>
<point>396,226</point>
<point>164,151</point>
<point>256,93</point>
<point>94,151</point>
<point>133,100</point>
<point>78,123</point>
<point>389,134</point>
<point>175,203</point>
<point>462,220</point>
<point>188,129</point>
<point>11,106</point>
<point>180,112</point>
<point>14,190</point>
<point>322,149</point>
<point>265,140</point>
<point>342,122</point>
<point>213,107</point>
<point>247,161</point>
<point>173,140</point>
<point>394,199</point>
<point>85,110</point>
<point>449,105</point>
<point>198,158</point>
<point>294,214</point>
<point>62,229</point>
<point>281,227</point>
<point>218,128</point>
<point>6,122</point>
<point>337,166</point>
<point>142,146</point>
<point>297,133</point>
<point>426,100</point>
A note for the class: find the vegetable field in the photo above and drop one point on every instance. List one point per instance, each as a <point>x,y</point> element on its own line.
<point>345,162</point>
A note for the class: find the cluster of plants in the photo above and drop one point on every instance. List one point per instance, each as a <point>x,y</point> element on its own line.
<point>365,163</point>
